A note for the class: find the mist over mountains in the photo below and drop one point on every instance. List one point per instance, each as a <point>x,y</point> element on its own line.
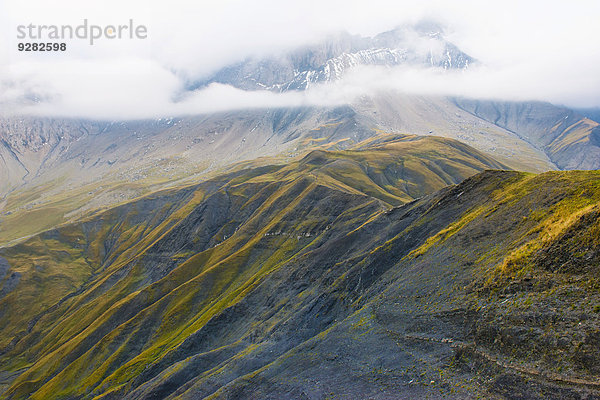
<point>101,163</point>
<point>420,46</point>
<point>358,215</point>
<point>421,55</point>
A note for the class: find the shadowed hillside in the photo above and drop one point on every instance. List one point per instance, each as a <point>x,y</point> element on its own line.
<point>350,274</point>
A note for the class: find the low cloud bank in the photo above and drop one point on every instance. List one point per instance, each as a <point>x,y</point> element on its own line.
<point>138,89</point>
<point>535,50</point>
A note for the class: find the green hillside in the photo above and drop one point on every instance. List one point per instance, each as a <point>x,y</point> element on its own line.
<point>376,272</point>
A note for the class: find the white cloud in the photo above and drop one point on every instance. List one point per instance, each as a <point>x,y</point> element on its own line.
<point>547,50</point>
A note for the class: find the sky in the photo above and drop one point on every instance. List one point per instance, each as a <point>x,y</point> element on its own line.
<point>527,50</point>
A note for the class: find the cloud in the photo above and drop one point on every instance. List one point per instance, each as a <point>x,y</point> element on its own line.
<point>128,88</point>
<point>545,50</point>
<point>513,83</point>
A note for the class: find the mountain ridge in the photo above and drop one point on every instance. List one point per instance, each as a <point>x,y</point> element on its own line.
<point>336,253</point>
<point>421,45</point>
<point>569,139</point>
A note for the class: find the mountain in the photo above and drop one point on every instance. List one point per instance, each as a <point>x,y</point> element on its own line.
<point>393,246</point>
<point>342,274</point>
<point>58,170</point>
<point>570,140</point>
<point>89,165</point>
<point>591,113</point>
<point>421,45</point>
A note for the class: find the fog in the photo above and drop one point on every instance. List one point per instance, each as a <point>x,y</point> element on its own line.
<point>539,50</point>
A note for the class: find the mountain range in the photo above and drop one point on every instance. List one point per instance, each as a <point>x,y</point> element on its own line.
<point>395,247</point>
<point>420,45</point>
<point>321,277</point>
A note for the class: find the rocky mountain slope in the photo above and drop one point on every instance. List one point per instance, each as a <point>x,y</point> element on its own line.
<point>569,139</point>
<point>341,274</point>
<point>56,170</point>
<point>90,165</point>
<point>421,45</point>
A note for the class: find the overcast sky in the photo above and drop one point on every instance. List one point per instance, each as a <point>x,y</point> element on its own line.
<point>544,50</point>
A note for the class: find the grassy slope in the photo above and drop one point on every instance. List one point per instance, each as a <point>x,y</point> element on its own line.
<point>491,291</point>
<point>110,251</point>
<point>36,208</point>
<point>271,275</point>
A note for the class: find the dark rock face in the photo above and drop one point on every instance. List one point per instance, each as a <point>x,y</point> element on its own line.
<point>8,280</point>
<point>4,267</point>
<point>10,283</point>
<point>595,136</point>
